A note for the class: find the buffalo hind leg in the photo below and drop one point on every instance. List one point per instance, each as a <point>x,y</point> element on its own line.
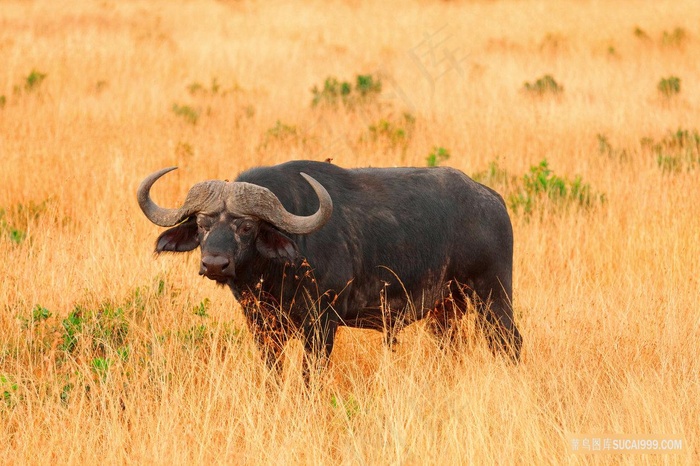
<point>497,324</point>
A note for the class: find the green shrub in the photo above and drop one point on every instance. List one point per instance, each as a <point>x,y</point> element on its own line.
<point>197,88</point>
<point>335,92</point>
<point>103,328</point>
<point>639,33</point>
<point>495,177</point>
<point>675,38</point>
<point>677,151</point>
<point>394,132</point>
<point>282,133</point>
<point>605,148</point>
<point>15,221</point>
<point>437,156</point>
<point>669,86</point>
<point>8,390</point>
<point>100,366</point>
<point>189,114</point>
<point>34,80</point>
<point>541,187</point>
<point>201,308</point>
<point>544,85</point>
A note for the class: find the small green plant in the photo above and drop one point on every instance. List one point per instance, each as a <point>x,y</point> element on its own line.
<point>544,85</point>
<point>335,92</point>
<point>17,236</point>
<point>201,308</point>
<point>437,156</point>
<point>494,176</point>
<point>189,114</point>
<point>540,186</point>
<point>34,80</point>
<point>184,150</point>
<point>15,221</point>
<point>350,406</point>
<point>197,88</point>
<point>675,38</point>
<point>39,313</point>
<point>677,151</point>
<point>65,392</point>
<point>8,389</point>
<point>105,327</point>
<point>669,86</point>
<point>605,148</point>
<point>366,84</point>
<point>332,93</point>
<point>3,101</point>
<point>639,33</point>
<point>282,133</point>
<point>100,366</point>
<point>72,327</point>
<point>195,335</point>
<point>124,352</point>
<point>396,133</point>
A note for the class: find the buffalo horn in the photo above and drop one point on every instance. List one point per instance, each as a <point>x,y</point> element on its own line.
<point>258,201</point>
<point>200,196</point>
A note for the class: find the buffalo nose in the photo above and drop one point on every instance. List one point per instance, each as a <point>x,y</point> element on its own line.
<point>214,265</point>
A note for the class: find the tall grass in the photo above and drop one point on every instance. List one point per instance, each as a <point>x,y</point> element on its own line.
<point>110,355</point>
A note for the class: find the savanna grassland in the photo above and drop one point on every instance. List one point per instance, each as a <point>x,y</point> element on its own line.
<point>585,115</point>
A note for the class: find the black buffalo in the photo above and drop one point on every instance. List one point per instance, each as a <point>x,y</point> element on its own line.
<point>308,246</point>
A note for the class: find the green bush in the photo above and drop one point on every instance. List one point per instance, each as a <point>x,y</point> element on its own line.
<point>335,92</point>
<point>541,187</point>
<point>675,38</point>
<point>677,151</point>
<point>15,221</point>
<point>34,80</point>
<point>189,114</point>
<point>605,148</point>
<point>669,86</point>
<point>544,85</point>
<point>495,177</point>
<point>437,156</point>
<point>639,33</point>
<point>395,132</point>
<point>103,328</point>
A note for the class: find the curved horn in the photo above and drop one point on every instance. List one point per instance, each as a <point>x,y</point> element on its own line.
<point>258,201</point>
<point>200,196</point>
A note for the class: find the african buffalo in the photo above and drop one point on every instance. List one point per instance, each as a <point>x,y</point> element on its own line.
<point>308,246</point>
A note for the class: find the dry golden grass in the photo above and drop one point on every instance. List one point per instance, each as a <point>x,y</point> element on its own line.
<point>606,298</point>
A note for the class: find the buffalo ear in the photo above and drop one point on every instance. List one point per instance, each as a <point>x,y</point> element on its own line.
<point>275,245</point>
<point>181,238</point>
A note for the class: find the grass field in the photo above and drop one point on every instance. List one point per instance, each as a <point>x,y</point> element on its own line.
<point>109,355</point>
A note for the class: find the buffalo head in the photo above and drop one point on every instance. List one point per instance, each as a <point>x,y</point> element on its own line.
<point>234,224</point>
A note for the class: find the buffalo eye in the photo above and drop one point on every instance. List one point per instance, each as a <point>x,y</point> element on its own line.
<point>245,227</point>
<point>204,223</point>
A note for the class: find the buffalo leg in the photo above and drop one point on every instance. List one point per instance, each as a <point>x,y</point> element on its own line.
<point>319,337</point>
<point>269,333</point>
<point>493,303</point>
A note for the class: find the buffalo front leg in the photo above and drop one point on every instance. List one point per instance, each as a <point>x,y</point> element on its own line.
<point>266,324</point>
<point>319,337</point>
